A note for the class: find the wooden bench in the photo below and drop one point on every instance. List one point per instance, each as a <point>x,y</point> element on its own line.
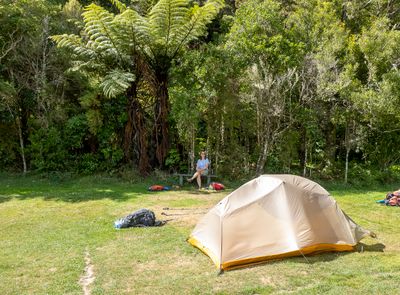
<point>182,175</point>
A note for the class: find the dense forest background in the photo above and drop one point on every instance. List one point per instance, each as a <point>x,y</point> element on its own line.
<point>309,87</point>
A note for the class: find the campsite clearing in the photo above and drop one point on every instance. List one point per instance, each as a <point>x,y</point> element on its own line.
<point>49,227</point>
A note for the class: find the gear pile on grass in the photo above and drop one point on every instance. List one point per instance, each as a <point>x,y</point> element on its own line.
<point>140,218</point>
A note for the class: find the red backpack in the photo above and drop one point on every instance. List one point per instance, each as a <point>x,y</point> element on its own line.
<point>394,201</point>
<point>155,188</point>
<point>217,186</point>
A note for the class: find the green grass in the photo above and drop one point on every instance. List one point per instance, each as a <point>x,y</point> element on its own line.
<point>47,226</point>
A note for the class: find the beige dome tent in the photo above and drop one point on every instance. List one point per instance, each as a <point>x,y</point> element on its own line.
<point>271,217</point>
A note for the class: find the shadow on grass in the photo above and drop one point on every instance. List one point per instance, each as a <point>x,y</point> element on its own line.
<point>4,198</point>
<point>71,190</point>
<point>318,257</point>
<point>378,247</point>
<point>330,256</point>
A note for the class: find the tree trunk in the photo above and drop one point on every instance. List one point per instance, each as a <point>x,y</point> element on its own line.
<point>262,158</point>
<point>40,75</point>
<point>22,145</point>
<point>329,130</point>
<point>161,112</point>
<point>18,124</point>
<point>303,150</point>
<point>347,141</point>
<point>135,138</point>
<point>347,165</point>
<point>191,167</point>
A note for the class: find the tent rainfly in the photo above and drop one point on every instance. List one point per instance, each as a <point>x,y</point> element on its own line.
<point>273,217</point>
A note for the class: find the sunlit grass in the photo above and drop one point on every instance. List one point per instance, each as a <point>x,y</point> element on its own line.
<point>46,227</point>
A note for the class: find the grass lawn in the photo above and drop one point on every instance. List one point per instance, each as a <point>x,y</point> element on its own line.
<point>47,228</point>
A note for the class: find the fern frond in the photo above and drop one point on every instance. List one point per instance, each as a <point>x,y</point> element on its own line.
<point>67,41</point>
<point>116,82</point>
<point>133,28</point>
<point>97,22</point>
<point>87,67</point>
<point>172,24</point>
<point>120,6</point>
<point>74,43</point>
<point>167,17</point>
<point>200,17</point>
<point>104,32</point>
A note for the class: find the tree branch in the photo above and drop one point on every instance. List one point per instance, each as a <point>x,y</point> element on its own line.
<point>5,51</point>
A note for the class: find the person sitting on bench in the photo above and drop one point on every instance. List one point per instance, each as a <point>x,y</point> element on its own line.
<point>201,168</point>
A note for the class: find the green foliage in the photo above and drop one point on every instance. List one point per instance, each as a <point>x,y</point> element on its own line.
<point>87,164</point>
<point>170,25</point>
<point>173,160</point>
<point>379,43</point>
<point>363,174</point>
<point>76,130</point>
<point>173,24</point>
<point>103,49</point>
<point>9,149</point>
<point>118,59</point>
<point>110,153</point>
<point>258,32</point>
<point>303,83</point>
<point>47,150</point>
<point>287,150</point>
<point>95,120</point>
<point>232,165</point>
<point>116,83</point>
<point>113,157</point>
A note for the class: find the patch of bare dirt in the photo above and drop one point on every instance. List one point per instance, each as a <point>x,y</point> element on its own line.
<point>88,277</point>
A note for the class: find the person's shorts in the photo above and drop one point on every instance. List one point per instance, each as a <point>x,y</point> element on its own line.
<point>205,172</point>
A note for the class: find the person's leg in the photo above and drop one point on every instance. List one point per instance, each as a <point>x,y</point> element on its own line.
<point>199,179</point>
<point>193,177</point>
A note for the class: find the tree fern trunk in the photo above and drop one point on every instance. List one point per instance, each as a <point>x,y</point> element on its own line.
<point>135,133</point>
<point>161,126</point>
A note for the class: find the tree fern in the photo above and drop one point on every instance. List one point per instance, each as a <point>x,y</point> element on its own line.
<point>116,82</point>
<point>113,47</point>
<point>121,6</point>
<point>167,17</point>
<point>169,26</point>
<point>200,18</point>
<point>102,30</point>
<point>88,67</point>
<point>172,24</point>
<point>133,28</point>
<point>74,43</point>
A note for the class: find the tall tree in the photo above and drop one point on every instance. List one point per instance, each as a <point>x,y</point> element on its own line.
<point>124,48</point>
<point>26,64</point>
<point>259,35</point>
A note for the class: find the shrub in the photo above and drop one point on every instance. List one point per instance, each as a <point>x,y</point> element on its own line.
<point>47,150</point>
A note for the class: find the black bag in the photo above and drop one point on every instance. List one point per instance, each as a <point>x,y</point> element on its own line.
<point>140,218</point>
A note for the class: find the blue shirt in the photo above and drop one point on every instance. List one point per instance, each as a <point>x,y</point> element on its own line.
<point>202,164</point>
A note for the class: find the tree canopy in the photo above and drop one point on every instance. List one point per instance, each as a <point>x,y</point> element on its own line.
<point>271,86</point>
